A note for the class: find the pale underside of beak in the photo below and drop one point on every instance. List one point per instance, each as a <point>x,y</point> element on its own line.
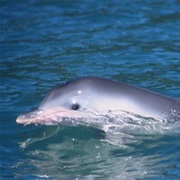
<point>48,117</point>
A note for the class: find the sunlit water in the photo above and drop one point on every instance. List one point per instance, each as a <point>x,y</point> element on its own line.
<point>44,43</point>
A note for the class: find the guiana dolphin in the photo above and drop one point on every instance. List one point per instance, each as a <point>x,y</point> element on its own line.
<point>89,98</point>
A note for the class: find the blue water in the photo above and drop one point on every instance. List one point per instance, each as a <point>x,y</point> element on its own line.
<point>44,43</point>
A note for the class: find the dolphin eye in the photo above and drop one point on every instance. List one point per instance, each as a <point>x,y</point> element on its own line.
<point>75,106</point>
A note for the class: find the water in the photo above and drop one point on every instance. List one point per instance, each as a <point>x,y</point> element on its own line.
<point>44,43</point>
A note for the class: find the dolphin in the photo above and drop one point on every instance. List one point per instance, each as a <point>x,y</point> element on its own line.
<point>88,98</point>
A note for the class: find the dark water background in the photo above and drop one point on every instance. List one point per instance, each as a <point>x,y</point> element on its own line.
<point>44,43</point>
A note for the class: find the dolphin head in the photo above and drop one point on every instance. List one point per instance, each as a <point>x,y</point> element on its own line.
<point>65,103</point>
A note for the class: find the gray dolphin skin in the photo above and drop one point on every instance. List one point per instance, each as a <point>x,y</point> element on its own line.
<point>94,97</point>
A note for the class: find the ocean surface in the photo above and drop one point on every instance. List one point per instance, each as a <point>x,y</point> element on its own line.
<point>44,43</point>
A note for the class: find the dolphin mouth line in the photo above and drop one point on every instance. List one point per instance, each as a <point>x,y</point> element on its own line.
<point>38,118</point>
<point>68,118</point>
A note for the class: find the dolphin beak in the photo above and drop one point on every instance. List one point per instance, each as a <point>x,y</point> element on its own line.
<point>46,116</point>
<point>30,117</point>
